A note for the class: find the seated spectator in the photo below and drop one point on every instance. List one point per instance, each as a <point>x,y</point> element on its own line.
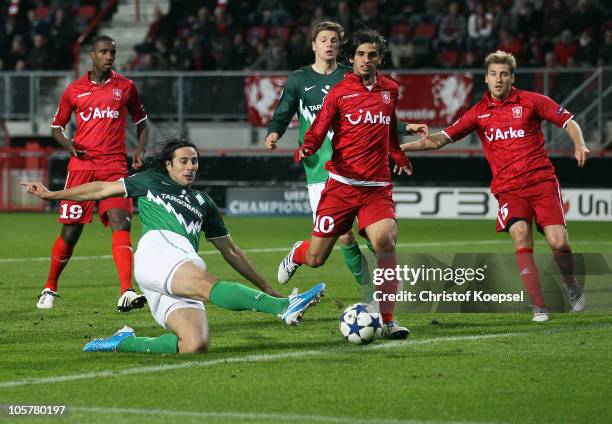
<point>587,49</point>
<point>17,52</point>
<point>555,20</point>
<point>42,55</point>
<point>273,56</point>
<point>604,55</point>
<point>480,28</point>
<point>452,30</point>
<point>529,21</point>
<point>403,54</point>
<point>565,48</point>
<point>510,44</point>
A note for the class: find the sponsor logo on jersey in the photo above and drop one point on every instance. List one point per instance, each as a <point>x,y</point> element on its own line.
<point>117,93</point>
<point>497,134</point>
<point>314,108</point>
<point>368,118</point>
<point>561,110</point>
<point>386,96</point>
<point>349,96</point>
<point>486,115</point>
<point>517,111</point>
<point>99,114</point>
<point>88,93</point>
<point>309,88</point>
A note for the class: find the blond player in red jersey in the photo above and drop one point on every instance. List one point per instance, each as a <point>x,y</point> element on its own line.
<point>100,102</point>
<point>508,122</point>
<point>360,110</point>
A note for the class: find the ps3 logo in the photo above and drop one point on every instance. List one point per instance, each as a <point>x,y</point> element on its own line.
<point>99,114</point>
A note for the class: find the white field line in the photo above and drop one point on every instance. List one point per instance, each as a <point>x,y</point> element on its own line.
<point>254,358</point>
<point>287,248</point>
<point>254,416</point>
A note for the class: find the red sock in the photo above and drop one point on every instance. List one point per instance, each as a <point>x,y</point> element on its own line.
<point>299,255</point>
<point>389,286</point>
<point>122,254</point>
<point>565,261</point>
<point>60,255</point>
<point>529,274</point>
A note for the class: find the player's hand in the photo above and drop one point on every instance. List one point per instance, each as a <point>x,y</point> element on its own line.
<point>269,290</point>
<point>271,140</point>
<point>138,158</point>
<point>582,155</point>
<point>301,153</point>
<point>406,169</point>
<point>74,152</point>
<point>421,129</point>
<point>37,189</point>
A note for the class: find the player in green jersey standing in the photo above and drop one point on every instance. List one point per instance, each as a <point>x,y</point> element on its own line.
<point>167,266</point>
<point>303,93</point>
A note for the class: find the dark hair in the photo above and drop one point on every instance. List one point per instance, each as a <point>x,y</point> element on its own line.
<point>326,26</point>
<point>99,39</point>
<point>165,151</point>
<point>349,46</point>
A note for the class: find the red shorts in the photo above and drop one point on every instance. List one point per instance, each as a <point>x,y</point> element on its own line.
<point>72,212</point>
<point>541,201</point>
<point>341,203</point>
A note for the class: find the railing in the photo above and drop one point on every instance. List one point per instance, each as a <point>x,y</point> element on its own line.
<point>183,97</point>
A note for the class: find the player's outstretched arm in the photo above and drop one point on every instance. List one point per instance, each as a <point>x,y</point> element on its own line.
<point>96,190</point>
<point>234,256</point>
<point>581,152</point>
<point>432,142</point>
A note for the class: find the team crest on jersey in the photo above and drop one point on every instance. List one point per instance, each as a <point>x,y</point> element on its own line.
<point>517,111</point>
<point>386,97</point>
<point>117,93</point>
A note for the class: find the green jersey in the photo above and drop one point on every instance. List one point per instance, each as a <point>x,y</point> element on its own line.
<point>164,204</point>
<point>303,93</point>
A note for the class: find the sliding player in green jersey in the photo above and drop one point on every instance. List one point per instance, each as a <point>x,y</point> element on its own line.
<point>303,93</point>
<point>167,266</point>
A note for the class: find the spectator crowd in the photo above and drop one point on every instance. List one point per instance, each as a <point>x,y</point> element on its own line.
<point>275,34</point>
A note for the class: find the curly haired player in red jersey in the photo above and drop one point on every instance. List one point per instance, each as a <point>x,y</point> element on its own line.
<point>100,102</point>
<point>360,110</point>
<point>508,122</point>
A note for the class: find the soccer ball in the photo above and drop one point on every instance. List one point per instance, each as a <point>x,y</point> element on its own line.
<point>359,326</point>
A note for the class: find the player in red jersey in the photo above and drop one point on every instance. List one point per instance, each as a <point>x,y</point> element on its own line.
<point>360,110</point>
<point>100,102</point>
<point>524,181</point>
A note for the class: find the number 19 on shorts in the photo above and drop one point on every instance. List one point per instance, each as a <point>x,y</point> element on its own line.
<point>71,211</point>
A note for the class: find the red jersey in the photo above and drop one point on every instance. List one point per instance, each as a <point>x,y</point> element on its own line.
<point>364,126</point>
<point>511,136</point>
<point>101,113</point>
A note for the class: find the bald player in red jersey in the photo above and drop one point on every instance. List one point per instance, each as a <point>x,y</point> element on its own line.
<point>100,102</point>
<point>508,122</point>
<point>360,110</point>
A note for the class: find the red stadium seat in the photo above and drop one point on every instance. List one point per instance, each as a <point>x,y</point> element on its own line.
<point>425,31</point>
<point>399,29</point>
<point>42,12</point>
<point>86,12</point>
<point>258,32</point>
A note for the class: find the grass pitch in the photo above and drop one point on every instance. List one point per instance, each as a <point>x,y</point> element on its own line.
<point>476,368</point>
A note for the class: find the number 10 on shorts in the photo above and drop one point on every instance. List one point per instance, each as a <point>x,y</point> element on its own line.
<point>324,224</point>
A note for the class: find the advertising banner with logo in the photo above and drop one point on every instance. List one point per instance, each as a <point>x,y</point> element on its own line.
<point>267,201</point>
<point>479,203</point>
<point>436,100</point>
<point>261,95</point>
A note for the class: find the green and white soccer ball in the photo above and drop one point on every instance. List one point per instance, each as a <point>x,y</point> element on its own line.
<point>359,326</point>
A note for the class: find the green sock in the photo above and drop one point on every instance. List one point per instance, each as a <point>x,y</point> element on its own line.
<point>352,259</point>
<point>166,343</point>
<point>236,297</point>
<point>371,247</point>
